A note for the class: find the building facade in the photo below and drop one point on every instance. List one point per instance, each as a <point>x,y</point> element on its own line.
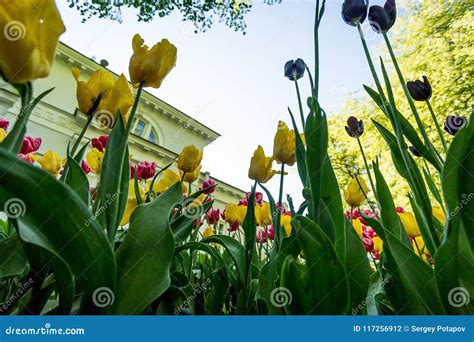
<point>158,134</point>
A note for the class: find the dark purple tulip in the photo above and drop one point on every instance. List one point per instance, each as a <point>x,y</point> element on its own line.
<point>354,11</point>
<point>382,18</point>
<point>420,90</point>
<point>454,123</point>
<point>295,69</point>
<point>354,127</point>
<point>414,151</point>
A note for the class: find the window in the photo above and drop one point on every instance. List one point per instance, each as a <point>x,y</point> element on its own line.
<point>139,128</point>
<point>143,128</point>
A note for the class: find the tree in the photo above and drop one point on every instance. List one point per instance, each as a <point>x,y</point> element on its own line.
<point>434,38</point>
<point>202,13</point>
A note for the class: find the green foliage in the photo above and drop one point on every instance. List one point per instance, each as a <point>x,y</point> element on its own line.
<point>434,39</point>
<point>200,13</point>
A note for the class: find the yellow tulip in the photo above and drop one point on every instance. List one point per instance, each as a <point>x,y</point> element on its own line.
<point>263,214</point>
<point>168,179</point>
<point>30,34</point>
<point>120,98</point>
<point>192,176</point>
<point>198,201</point>
<point>378,244</point>
<point>49,162</point>
<point>189,159</point>
<point>284,145</point>
<point>94,158</point>
<point>354,194</point>
<point>3,134</point>
<point>357,226</point>
<point>410,224</point>
<point>285,221</point>
<point>151,66</point>
<point>100,83</point>
<point>438,213</point>
<point>208,232</point>
<point>132,201</point>
<point>241,213</point>
<point>260,168</point>
<point>231,213</point>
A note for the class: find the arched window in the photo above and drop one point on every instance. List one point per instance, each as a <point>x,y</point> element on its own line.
<point>144,129</point>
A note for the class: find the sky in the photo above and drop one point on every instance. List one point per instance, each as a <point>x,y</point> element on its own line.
<point>232,82</point>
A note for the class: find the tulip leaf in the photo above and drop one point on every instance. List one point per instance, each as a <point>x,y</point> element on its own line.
<point>216,296</point>
<point>433,188</point>
<point>392,143</point>
<point>114,179</point>
<point>250,231</point>
<point>12,259</point>
<point>322,267</point>
<point>145,255</point>
<point>61,220</point>
<point>182,226</point>
<point>235,250</point>
<point>407,129</point>
<point>14,140</point>
<point>454,260</point>
<point>77,179</point>
<point>389,218</point>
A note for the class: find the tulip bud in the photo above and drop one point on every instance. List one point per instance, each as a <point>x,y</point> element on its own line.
<point>420,90</point>
<point>85,167</point>
<point>260,168</point>
<point>100,143</point>
<point>354,11</point>
<point>271,233</point>
<point>210,185</point>
<point>189,159</point>
<point>261,236</point>
<point>146,170</point>
<point>30,145</point>
<point>295,69</point>
<point>355,192</point>
<point>454,123</point>
<point>4,123</point>
<point>414,151</point>
<point>381,19</point>
<point>354,127</point>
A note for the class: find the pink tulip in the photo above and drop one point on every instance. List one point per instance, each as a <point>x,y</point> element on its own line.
<point>30,145</point>
<point>85,167</point>
<point>261,236</point>
<point>233,227</point>
<point>212,216</point>
<point>100,143</point>
<point>271,233</point>
<point>208,183</point>
<point>4,123</point>
<point>26,157</point>
<point>146,170</point>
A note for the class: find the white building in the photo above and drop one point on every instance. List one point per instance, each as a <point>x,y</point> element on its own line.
<point>159,132</point>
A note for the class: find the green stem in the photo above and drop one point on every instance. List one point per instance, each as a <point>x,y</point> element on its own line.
<point>81,135</point>
<point>366,166</point>
<point>278,231</point>
<point>134,108</point>
<point>299,103</point>
<point>408,96</point>
<point>316,51</point>
<point>438,128</point>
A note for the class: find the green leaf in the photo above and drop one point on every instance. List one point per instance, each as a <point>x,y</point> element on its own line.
<point>454,260</point>
<point>433,188</point>
<point>322,267</point>
<point>389,218</point>
<point>250,233</point>
<point>77,179</point>
<point>114,180</point>
<point>13,261</point>
<point>144,257</point>
<point>56,218</point>
<point>235,250</point>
